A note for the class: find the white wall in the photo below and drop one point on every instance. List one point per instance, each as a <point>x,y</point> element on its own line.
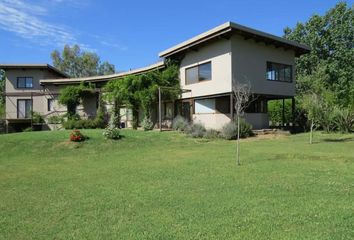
<point>219,53</point>
<point>212,120</point>
<point>249,63</point>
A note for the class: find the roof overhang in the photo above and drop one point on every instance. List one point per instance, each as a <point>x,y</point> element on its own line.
<point>104,78</point>
<point>34,66</point>
<point>226,30</point>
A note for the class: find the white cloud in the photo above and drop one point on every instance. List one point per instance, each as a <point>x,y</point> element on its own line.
<point>25,20</point>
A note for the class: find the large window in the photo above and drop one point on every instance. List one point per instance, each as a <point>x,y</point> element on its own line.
<point>212,105</point>
<point>24,108</point>
<point>198,73</point>
<point>279,72</point>
<point>24,82</point>
<point>257,106</point>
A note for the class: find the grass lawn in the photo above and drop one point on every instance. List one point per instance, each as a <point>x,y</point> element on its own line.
<point>152,185</point>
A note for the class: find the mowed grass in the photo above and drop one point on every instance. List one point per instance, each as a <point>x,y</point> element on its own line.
<point>152,185</point>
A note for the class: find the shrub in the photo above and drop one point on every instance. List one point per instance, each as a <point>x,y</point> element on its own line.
<point>111,131</point>
<point>180,124</point>
<point>77,136</point>
<point>212,134</point>
<point>37,118</point>
<point>147,124</point>
<point>82,124</point>
<point>55,119</point>
<point>229,130</point>
<point>344,119</point>
<point>196,130</point>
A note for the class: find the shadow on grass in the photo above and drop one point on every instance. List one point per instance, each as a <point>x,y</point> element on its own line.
<point>347,139</point>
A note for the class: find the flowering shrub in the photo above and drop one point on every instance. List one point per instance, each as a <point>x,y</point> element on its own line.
<point>112,131</point>
<point>76,136</point>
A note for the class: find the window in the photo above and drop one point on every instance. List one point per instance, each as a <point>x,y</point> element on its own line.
<point>198,73</point>
<point>279,72</point>
<point>212,105</point>
<point>24,108</point>
<point>50,105</point>
<point>24,82</point>
<point>257,106</point>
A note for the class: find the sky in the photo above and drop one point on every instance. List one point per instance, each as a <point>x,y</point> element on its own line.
<point>130,33</point>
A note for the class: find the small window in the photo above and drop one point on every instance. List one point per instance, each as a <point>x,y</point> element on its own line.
<point>50,105</point>
<point>198,73</point>
<point>279,72</point>
<point>213,105</point>
<point>24,82</point>
<point>222,104</point>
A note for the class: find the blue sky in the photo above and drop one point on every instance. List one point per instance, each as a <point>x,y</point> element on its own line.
<point>130,33</point>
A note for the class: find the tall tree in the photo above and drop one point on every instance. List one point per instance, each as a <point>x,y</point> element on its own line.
<point>330,64</point>
<point>78,63</point>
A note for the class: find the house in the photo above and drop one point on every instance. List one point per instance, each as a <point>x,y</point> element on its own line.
<point>210,65</point>
<point>214,61</point>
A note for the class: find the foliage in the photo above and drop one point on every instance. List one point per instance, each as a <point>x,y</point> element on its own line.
<point>77,136</point>
<point>112,131</point>
<point>329,64</point>
<point>137,91</point>
<point>71,96</point>
<point>230,130</point>
<point>55,119</point>
<point>275,111</point>
<point>37,118</point>
<point>100,120</point>
<point>82,124</point>
<point>180,124</point>
<point>78,63</point>
<point>147,124</point>
<point>196,130</point>
<point>344,119</point>
<point>212,134</point>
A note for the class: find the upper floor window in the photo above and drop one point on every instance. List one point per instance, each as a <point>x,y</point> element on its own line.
<point>24,82</point>
<point>198,73</point>
<point>279,72</point>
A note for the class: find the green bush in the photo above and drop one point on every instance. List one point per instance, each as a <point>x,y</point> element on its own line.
<point>229,130</point>
<point>111,131</point>
<point>29,129</point>
<point>147,124</point>
<point>55,119</point>
<point>80,124</point>
<point>196,130</point>
<point>344,119</point>
<point>37,118</point>
<point>212,134</point>
<point>180,124</point>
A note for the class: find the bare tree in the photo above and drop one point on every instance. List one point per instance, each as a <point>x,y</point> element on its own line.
<point>242,95</point>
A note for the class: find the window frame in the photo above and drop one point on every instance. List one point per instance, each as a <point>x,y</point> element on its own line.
<point>285,66</point>
<point>18,110</point>
<point>198,71</point>
<point>25,78</point>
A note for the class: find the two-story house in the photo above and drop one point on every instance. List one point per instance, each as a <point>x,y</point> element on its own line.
<point>210,65</point>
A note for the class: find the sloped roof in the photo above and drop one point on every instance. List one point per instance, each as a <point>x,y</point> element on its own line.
<point>33,66</point>
<point>234,28</point>
<point>104,78</point>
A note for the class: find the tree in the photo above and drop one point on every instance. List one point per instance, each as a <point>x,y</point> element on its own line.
<point>313,104</point>
<point>78,63</point>
<point>329,65</point>
<point>241,94</point>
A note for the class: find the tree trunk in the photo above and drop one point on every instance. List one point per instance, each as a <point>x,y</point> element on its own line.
<point>238,142</point>
<point>311,131</point>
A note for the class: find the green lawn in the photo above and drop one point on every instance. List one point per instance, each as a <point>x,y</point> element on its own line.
<point>152,185</point>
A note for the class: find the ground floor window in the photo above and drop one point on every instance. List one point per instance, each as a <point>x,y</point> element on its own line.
<point>212,105</point>
<point>24,108</point>
<point>257,106</point>
<point>50,105</point>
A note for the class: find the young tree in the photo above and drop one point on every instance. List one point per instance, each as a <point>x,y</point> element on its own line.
<point>78,63</point>
<point>313,104</point>
<point>241,94</point>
